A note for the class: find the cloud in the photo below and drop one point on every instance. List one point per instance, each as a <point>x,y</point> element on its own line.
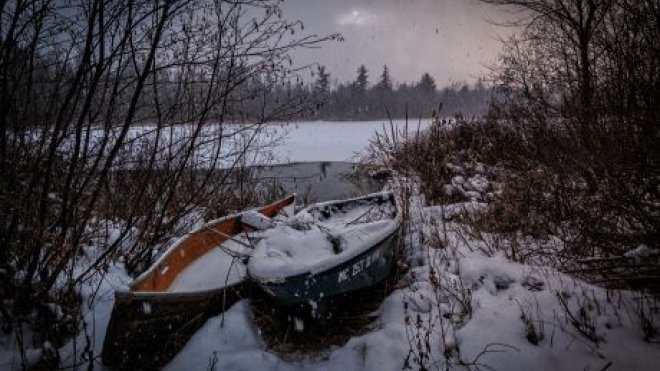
<point>450,39</point>
<point>356,18</point>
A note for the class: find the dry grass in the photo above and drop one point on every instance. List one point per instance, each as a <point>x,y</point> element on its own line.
<point>599,202</point>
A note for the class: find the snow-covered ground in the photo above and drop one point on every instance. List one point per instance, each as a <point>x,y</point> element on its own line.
<point>458,306</point>
<point>220,146</point>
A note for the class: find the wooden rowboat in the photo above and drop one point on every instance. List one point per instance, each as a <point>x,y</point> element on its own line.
<point>149,322</point>
<point>344,246</point>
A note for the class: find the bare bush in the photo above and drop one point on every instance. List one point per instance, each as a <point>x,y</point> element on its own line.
<point>117,112</point>
<point>585,165</point>
<point>572,141</point>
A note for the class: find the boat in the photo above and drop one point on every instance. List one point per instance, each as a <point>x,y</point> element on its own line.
<point>326,250</point>
<point>165,305</point>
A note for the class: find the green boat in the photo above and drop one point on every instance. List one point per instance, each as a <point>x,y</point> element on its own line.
<point>328,249</point>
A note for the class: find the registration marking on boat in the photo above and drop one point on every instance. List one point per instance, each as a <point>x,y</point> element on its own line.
<point>358,267</point>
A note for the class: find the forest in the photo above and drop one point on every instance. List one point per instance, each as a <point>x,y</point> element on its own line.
<point>382,98</point>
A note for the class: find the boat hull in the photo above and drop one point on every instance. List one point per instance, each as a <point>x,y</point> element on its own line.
<point>148,329</point>
<point>365,270</point>
<point>149,324</point>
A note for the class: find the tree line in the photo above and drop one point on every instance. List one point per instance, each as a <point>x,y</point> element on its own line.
<point>359,99</point>
<point>362,99</point>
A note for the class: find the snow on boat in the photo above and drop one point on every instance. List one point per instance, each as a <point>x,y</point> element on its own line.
<point>201,275</point>
<point>328,249</point>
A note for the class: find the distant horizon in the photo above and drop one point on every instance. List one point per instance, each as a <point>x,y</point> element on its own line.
<point>374,77</point>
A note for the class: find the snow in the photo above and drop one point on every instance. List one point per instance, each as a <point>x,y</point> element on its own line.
<point>320,237</point>
<point>501,296</point>
<point>231,247</point>
<point>287,211</point>
<point>383,349</point>
<point>285,251</point>
<point>333,140</point>
<point>312,141</point>
<point>474,308</point>
<point>98,301</point>
<point>298,324</point>
<point>231,337</point>
<point>481,306</point>
<point>478,183</point>
<point>640,252</point>
<point>215,269</point>
<point>256,220</point>
<point>453,210</point>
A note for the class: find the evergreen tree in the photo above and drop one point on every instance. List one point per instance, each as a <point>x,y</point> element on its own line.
<point>322,84</point>
<point>385,82</point>
<point>321,91</point>
<point>361,81</point>
<point>426,84</point>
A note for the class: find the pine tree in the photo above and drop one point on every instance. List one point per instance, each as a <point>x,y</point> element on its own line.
<point>322,84</point>
<point>361,81</point>
<point>385,82</point>
<point>426,84</point>
<point>321,89</point>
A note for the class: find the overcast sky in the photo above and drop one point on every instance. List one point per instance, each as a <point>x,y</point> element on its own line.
<point>451,39</point>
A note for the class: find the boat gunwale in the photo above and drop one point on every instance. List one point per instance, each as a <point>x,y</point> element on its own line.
<point>125,295</point>
<point>365,197</point>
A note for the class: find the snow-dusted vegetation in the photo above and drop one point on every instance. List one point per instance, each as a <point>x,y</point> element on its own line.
<point>115,116</point>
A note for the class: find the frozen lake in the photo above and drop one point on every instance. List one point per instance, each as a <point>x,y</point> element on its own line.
<point>320,181</point>
<point>221,146</point>
<point>315,159</point>
<point>337,141</point>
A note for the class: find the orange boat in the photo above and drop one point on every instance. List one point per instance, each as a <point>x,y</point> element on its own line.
<point>150,322</point>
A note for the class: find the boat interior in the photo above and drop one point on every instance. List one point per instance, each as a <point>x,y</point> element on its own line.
<point>161,276</point>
